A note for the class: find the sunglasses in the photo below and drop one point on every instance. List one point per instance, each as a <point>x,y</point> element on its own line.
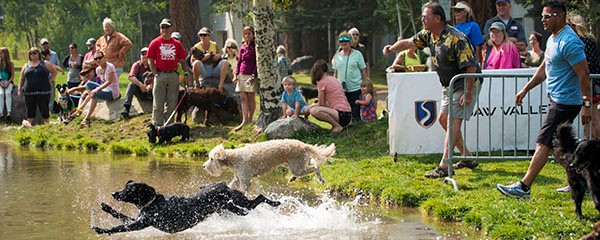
<point>32,53</point>
<point>203,35</point>
<point>98,58</point>
<point>231,47</point>
<point>164,27</point>
<point>344,41</point>
<point>549,15</point>
<point>355,34</point>
<point>72,48</point>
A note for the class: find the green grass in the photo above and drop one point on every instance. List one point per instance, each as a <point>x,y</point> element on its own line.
<point>363,166</point>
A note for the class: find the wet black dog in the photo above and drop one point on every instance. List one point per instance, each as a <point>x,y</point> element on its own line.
<point>65,106</point>
<point>579,161</point>
<point>168,132</point>
<point>208,100</point>
<point>308,92</point>
<point>174,214</point>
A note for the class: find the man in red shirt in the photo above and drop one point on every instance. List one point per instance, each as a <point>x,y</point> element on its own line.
<point>164,53</point>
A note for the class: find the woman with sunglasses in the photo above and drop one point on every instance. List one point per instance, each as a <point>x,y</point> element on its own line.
<point>230,53</point>
<point>34,84</point>
<point>107,90</point>
<point>350,68</point>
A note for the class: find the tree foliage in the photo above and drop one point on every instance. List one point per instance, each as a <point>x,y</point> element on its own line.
<point>74,21</point>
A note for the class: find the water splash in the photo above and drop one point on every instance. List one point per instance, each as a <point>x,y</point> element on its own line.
<point>293,219</point>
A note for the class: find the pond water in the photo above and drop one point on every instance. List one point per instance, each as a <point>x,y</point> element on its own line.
<point>57,195</point>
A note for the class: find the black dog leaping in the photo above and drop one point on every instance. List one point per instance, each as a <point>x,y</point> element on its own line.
<point>174,214</point>
<point>580,163</point>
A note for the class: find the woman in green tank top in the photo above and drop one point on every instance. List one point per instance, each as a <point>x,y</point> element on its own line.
<point>407,61</point>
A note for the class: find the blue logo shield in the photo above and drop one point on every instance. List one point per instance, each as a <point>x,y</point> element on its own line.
<point>426,112</point>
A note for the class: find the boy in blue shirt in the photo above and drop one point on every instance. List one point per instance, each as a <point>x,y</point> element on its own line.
<point>292,102</point>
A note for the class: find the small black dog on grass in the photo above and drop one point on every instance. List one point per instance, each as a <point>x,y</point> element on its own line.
<point>579,161</point>
<point>168,132</point>
<point>174,214</point>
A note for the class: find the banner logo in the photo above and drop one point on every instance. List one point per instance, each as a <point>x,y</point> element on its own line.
<point>426,112</point>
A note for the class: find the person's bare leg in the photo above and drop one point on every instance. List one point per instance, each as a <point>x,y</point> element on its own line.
<point>245,110</point>
<point>251,106</point>
<point>538,161</point>
<point>223,74</point>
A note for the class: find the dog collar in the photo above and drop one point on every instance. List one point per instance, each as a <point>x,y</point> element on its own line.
<point>148,204</point>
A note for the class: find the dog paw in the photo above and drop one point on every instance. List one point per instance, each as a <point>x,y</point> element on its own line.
<point>105,207</point>
<point>292,178</point>
<point>99,230</point>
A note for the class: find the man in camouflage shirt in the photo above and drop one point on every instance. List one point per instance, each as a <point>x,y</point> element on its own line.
<point>452,54</point>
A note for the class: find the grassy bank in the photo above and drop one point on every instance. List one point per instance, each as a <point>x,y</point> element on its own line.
<point>362,165</point>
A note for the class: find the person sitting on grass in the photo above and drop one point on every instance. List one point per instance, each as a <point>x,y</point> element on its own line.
<point>292,102</point>
<point>332,106</point>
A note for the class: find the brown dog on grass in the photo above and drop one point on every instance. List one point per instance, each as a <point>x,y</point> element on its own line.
<point>208,100</point>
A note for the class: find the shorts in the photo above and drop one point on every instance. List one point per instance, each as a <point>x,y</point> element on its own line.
<point>102,94</point>
<point>210,70</point>
<point>458,111</point>
<point>344,117</point>
<point>241,85</point>
<point>557,114</point>
<point>302,110</point>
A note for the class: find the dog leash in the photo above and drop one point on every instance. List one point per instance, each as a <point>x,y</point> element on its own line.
<point>176,107</point>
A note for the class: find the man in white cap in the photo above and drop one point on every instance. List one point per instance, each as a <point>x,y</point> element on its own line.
<point>164,53</point>
<point>360,47</point>
<point>114,44</point>
<point>138,86</point>
<point>91,46</point>
<point>53,56</point>
<point>515,30</point>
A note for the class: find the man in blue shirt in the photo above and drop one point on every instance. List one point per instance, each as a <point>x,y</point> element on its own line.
<point>568,85</point>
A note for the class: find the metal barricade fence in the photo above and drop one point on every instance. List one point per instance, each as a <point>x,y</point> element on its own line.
<point>521,123</point>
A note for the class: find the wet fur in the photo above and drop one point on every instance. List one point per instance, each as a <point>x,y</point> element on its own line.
<point>168,132</point>
<point>173,213</point>
<point>207,100</point>
<point>579,161</point>
<point>259,158</point>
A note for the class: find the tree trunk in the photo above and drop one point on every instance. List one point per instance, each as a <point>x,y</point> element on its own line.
<point>269,88</point>
<point>186,20</point>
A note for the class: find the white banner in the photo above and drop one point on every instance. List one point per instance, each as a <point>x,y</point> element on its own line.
<point>414,103</point>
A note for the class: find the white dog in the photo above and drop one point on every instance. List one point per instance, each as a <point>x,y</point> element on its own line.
<point>259,158</point>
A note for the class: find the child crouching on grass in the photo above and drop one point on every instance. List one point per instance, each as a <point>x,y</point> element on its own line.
<point>368,107</point>
<point>292,102</point>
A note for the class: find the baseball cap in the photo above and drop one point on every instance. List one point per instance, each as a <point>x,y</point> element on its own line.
<point>176,35</point>
<point>166,21</point>
<point>90,41</point>
<point>505,1</point>
<point>204,30</point>
<point>144,49</point>
<point>498,25</point>
<point>44,41</point>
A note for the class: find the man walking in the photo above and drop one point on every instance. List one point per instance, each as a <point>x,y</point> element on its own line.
<point>568,85</point>
<point>454,55</point>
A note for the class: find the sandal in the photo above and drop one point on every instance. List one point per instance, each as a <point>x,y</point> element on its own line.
<point>85,123</point>
<point>438,172</point>
<point>465,164</point>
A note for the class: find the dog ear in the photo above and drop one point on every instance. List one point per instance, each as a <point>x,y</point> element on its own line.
<point>219,153</point>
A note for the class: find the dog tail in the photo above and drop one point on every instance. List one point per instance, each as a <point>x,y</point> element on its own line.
<point>565,140</point>
<point>323,153</point>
